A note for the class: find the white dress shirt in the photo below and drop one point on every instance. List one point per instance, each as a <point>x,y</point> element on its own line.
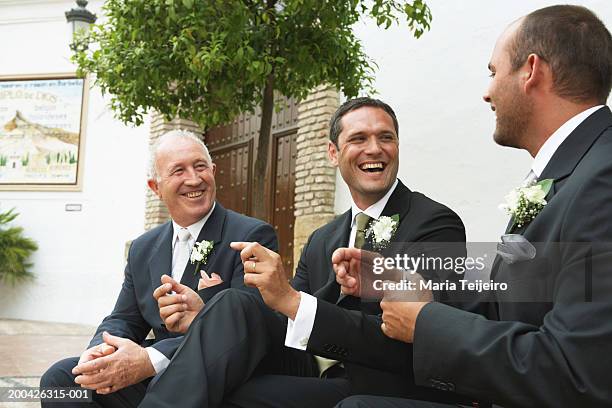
<point>158,359</point>
<point>299,330</point>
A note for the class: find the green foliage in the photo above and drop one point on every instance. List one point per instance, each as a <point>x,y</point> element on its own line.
<point>3,160</point>
<point>15,250</point>
<point>25,160</point>
<point>209,60</point>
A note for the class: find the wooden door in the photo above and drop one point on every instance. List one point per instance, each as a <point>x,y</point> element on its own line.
<point>283,195</point>
<point>233,150</point>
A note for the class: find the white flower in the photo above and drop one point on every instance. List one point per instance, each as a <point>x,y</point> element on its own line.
<point>196,256</point>
<point>383,230</point>
<point>512,201</point>
<point>535,194</point>
<point>200,252</point>
<point>525,203</point>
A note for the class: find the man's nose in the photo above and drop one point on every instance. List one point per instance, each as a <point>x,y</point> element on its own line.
<point>486,98</point>
<point>192,176</point>
<point>372,146</point>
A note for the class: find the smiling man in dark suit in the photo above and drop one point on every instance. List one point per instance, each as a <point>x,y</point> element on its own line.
<point>251,367</point>
<point>544,342</point>
<point>119,362</point>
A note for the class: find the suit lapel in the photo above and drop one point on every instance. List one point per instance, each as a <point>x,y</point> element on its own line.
<point>338,239</point>
<point>399,202</point>
<point>571,151</point>
<point>161,261</point>
<point>211,231</point>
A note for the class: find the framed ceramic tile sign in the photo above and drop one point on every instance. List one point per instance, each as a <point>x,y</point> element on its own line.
<point>42,132</point>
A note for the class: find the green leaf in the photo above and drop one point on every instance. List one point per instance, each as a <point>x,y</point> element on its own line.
<point>209,60</point>
<point>15,250</point>
<point>546,185</point>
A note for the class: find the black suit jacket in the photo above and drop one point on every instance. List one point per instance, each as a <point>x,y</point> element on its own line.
<point>150,256</point>
<point>546,341</point>
<point>353,336</point>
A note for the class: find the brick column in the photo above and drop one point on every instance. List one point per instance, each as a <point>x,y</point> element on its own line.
<point>315,177</point>
<point>155,211</point>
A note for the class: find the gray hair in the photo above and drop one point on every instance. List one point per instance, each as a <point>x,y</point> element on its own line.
<point>170,135</point>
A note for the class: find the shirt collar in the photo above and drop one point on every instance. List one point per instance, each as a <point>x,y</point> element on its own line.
<point>194,229</point>
<point>551,145</point>
<point>375,209</point>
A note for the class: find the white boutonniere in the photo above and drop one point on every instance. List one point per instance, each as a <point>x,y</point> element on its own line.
<point>200,252</point>
<point>525,203</point>
<point>382,231</point>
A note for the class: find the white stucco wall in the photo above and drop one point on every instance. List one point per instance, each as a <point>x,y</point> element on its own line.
<point>435,85</point>
<point>79,264</point>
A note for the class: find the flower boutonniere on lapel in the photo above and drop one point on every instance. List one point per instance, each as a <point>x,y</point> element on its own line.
<point>525,203</point>
<point>200,252</point>
<point>382,230</point>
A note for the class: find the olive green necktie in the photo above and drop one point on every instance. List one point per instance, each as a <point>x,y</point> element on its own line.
<point>361,221</point>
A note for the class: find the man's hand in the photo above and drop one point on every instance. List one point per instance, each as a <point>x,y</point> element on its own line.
<point>346,263</point>
<point>354,270</point>
<point>94,352</point>
<point>128,365</point>
<point>263,269</point>
<point>399,319</point>
<point>401,308</point>
<point>179,309</point>
<point>208,281</point>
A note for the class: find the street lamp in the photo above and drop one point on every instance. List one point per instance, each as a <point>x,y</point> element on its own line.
<point>80,19</point>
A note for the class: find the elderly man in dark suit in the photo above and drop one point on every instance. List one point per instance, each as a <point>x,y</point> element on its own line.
<point>544,341</point>
<point>119,361</point>
<point>252,367</point>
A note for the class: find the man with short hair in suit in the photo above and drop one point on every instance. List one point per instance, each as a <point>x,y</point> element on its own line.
<point>252,367</point>
<point>119,362</point>
<point>545,341</point>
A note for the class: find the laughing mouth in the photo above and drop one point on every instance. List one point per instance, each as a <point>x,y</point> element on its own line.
<point>372,167</point>
<point>194,194</point>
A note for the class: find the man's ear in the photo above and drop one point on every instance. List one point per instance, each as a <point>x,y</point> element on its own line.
<point>154,187</point>
<point>214,169</point>
<point>535,72</point>
<point>332,153</point>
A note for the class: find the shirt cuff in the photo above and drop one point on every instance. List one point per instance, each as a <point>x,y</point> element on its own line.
<point>299,330</point>
<point>159,361</point>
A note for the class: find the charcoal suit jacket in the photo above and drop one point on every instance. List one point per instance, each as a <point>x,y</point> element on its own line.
<point>546,341</point>
<point>136,312</point>
<point>348,329</point>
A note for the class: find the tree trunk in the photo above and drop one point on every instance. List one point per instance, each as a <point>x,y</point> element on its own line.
<point>261,161</point>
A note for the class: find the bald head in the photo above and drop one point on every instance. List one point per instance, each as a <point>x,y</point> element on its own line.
<point>166,141</point>
<point>576,45</point>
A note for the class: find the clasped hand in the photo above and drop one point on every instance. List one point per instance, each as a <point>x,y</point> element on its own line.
<point>115,364</point>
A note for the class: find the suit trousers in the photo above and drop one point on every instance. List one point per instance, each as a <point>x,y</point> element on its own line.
<point>371,401</point>
<point>234,339</point>
<point>60,375</point>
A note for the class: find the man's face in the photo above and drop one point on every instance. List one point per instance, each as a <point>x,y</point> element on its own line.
<point>367,154</point>
<point>186,180</point>
<point>513,109</point>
